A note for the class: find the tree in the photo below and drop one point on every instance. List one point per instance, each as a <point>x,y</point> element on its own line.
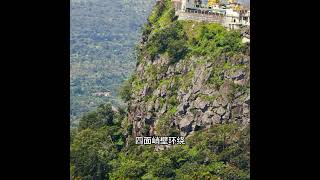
<point>163,167</point>
<point>90,120</point>
<point>106,113</point>
<point>102,116</point>
<point>90,152</point>
<point>129,169</point>
<point>125,90</point>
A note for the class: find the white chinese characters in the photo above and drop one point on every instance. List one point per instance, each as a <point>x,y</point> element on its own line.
<point>160,140</point>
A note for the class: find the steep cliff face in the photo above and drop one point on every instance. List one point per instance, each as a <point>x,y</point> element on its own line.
<point>189,76</point>
<point>192,80</point>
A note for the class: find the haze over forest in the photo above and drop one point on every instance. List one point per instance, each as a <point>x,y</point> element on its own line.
<point>103,36</point>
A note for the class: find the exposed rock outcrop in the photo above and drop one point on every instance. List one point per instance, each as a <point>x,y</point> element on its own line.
<point>191,93</point>
<point>198,102</point>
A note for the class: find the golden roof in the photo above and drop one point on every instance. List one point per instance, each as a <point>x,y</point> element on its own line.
<point>212,2</point>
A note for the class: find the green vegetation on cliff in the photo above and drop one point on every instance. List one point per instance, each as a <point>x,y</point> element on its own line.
<point>181,41</point>
<point>98,152</point>
<point>181,38</point>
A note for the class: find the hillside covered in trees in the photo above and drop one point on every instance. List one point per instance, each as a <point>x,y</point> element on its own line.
<point>192,80</point>
<point>103,36</point>
<point>99,151</point>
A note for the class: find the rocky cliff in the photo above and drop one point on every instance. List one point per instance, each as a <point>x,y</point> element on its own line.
<point>189,76</point>
<point>192,80</point>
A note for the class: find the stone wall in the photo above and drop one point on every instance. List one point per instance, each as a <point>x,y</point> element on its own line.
<point>200,17</point>
<point>226,21</point>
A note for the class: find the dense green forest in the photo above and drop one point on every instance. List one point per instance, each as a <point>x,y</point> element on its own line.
<point>99,151</point>
<point>103,145</point>
<point>103,36</point>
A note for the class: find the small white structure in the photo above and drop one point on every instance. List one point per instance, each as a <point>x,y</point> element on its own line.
<point>101,94</point>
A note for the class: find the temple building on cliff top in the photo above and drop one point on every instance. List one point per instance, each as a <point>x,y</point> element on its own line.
<point>232,14</point>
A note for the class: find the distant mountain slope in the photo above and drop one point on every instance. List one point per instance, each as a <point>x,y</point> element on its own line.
<point>103,36</point>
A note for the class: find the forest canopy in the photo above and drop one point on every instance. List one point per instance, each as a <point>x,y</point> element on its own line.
<point>102,49</point>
